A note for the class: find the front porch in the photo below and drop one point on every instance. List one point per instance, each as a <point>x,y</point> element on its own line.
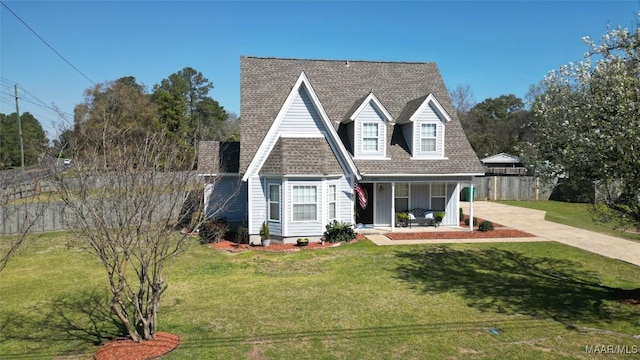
<point>386,198</point>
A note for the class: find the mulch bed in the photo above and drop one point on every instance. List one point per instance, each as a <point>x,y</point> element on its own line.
<point>500,231</point>
<point>233,247</point>
<point>127,349</point>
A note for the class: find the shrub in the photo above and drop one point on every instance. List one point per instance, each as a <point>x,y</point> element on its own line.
<point>264,231</point>
<point>402,216</point>
<point>461,215</point>
<point>475,221</point>
<point>486,225</point>
<point>339,231</point>
<point>213,230</point>
<point>438,216</point>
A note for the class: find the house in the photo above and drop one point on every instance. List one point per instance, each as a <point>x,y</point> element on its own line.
<point>503,164</point>
<point>313,130</point>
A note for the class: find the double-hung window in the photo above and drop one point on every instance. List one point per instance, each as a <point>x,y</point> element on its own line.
<point>305,203</point>
<point>428,137</point>
<point>402,197</point>
<point>438,199</point>
<point>274,202</point>
<point>332,201</point>
<point>370,137</point>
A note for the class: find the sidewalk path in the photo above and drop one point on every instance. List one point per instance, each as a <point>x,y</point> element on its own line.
<point>532,221</point>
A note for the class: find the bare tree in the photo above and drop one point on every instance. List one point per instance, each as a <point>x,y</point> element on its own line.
<point>463,99</point>
<point>127,197</point>
<point>20,210</point>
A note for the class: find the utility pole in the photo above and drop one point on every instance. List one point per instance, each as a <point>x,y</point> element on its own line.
<point>15,87</point>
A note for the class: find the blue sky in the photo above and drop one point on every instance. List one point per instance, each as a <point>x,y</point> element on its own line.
<point>496,47</point>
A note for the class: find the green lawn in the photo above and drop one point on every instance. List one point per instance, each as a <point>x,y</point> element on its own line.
<point>356,301</point>
<point>574,214</point>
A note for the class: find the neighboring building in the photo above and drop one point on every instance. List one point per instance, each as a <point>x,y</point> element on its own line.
<point>311,130</point>
<point>503,164</point>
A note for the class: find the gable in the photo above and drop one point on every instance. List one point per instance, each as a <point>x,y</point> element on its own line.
<point>301,116</point>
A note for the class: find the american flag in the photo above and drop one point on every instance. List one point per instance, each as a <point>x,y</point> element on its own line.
<point>362,196</point>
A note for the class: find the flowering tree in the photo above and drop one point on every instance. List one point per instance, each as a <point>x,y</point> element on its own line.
<point>587,121</point>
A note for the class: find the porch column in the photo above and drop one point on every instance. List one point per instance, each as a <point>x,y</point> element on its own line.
<point>393,206</point>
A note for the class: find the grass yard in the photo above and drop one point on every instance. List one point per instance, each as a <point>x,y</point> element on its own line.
<point>574,214</point>
<point>355,301</point>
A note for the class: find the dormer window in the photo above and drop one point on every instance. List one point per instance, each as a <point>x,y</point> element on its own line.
<point>424,129</point>
<point>428,137</point>
<point>368,128</point>
<point>370,137</point>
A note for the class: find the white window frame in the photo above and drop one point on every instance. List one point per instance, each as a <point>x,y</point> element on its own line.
<point>332,201</point>
<point>270,202</point>
<point>396,196</point>
<point>424,136</point>
<point>294,215</point>
<point>377,137</point>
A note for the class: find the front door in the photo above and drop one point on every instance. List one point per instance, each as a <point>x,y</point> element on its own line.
<point>365,215</point>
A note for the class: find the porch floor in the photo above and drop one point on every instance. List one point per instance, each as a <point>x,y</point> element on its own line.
<point>413,229</point>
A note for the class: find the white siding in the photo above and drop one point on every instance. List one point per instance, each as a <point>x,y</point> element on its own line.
<point>301,119</point>
<point>419,196</point>
<point>257,204</point>
<point>428,116</point>
<point>370,114</point>
<point>452,214</point>
<point>345,200</point>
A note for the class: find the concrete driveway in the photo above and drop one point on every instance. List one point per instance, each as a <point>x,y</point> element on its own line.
<point>532,221</point>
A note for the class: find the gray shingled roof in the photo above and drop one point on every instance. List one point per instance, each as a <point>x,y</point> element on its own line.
<point>340,85</point>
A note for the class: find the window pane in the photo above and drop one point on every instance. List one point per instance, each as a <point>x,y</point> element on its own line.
<point>304,212</point>
<point>428,145</point>
<point>332,193</point>
<point>369,137</point>
<point>437,190</point>
<point>370,130</point>
<point>402,190</point>
<point>402,205</point>
<point>370,144</point>
<point>332,210</point>
<point>428,130</point>
<point>274,193</point>
<point>274,211</point>
<point>304,203</point>
<point>437,204</point>
<point>428,137</point>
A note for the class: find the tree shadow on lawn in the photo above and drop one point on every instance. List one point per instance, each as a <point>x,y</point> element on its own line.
<point>513,283</point>
<point>81,318</point>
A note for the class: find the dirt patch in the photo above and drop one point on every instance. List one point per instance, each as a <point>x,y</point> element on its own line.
<point>127,349</point>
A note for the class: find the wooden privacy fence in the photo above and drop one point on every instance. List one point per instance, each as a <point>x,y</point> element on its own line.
<point>511,188</point>
<point>56,216</point>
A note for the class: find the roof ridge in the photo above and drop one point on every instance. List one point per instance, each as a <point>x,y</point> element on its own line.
<point>339,60</point>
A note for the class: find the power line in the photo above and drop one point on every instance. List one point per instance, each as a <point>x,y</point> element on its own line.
<point>46,43</point>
